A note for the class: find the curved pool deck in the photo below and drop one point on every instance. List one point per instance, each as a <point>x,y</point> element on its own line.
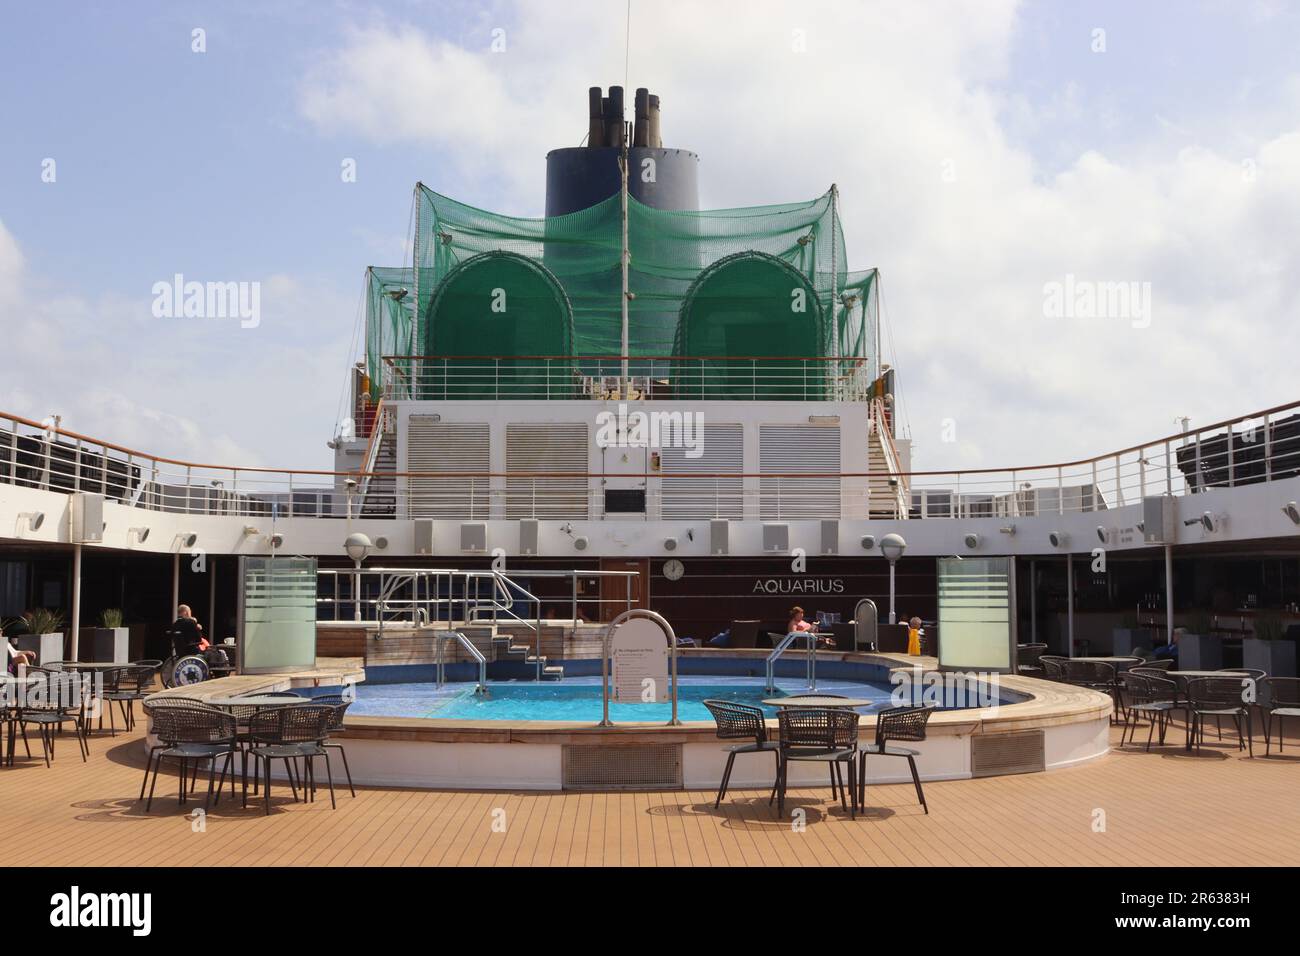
<point>1046,726</point>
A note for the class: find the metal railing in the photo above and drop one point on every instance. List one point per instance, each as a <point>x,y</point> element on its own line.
<point>1261,447</point>
<point>612,378</point>
<point>810,661</point>
<point>441,638</point>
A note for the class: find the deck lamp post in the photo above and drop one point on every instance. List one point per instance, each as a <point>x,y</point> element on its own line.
<point>357,546</point>
<point>892,547</point>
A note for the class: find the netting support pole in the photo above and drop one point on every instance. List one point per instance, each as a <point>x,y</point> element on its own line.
<point>415,278</point>
<point>834,329</point>
<point>627,255</point>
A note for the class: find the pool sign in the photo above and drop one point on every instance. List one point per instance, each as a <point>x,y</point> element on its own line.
<point>639,649</point>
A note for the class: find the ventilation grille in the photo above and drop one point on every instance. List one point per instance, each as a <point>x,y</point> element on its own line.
<point>799,449</point>
<point>433,446</point>
<point>684,497</point>
<point>546,448</point>
<point>630,767</point>
<point>992,755</point>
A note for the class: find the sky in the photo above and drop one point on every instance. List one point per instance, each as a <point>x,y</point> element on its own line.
<point>988,156</point>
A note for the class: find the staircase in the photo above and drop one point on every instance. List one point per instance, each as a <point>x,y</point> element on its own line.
<point>505,649</point>
<point>380,491</point>
<point>890,494</point>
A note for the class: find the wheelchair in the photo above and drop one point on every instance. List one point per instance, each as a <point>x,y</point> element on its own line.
<point>181,670</point>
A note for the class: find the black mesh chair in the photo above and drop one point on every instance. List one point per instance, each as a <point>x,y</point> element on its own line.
<point>1053,666</point>
<point>1027,659</point>
<point>55,699</point>
<point>123,686</point>
<point>292,733</point>
<point>191,733</point>
<point>1219,697</point>
<point>1095,675</point>
<point>1282,700</point>
<point>895,723</point>
<point>742,722</point>
<point>340,705</point>
<point>1147,696</point>
<point>826,735</point>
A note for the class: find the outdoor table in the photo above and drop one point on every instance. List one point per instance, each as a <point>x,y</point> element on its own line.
<point>1119,663</point>
<point>818,700</point>
<point>258,700</point>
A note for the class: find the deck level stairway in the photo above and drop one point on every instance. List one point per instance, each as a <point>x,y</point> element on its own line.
<point>500,643</point>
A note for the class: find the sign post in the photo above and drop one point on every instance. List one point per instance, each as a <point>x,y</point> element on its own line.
<point>644,651</point>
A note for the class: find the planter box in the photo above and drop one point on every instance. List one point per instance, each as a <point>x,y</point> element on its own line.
<point>106,645</point>
<point>48,647</point>
<point>1275,658</point>
<point>1200,652</point>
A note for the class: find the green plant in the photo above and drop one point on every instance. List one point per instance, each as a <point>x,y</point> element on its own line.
<point>1268,627</point>
<point>110,617</point>
<point>43,621</point>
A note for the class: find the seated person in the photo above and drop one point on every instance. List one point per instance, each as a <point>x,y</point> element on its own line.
<point>1170,651</point>
<point>797,623</point>
<point>14,658</point>
<point>186,632</point>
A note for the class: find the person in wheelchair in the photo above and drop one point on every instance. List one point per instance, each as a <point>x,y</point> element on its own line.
<point>186,633</point>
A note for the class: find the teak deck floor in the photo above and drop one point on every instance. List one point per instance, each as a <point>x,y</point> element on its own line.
<point>1163,808</point>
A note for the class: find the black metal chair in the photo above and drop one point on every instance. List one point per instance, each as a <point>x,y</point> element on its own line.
<point>1156,664</point>
<point>292,733</point>
<point>896,723</point>
<point>826,735</point>
<point>1147,696</point>
<point>1219,697</point>
<point>1027,659</point>
<point>122,686</point>
<point>1283,701</point>
<point>1053,666</point>
<point>1095,675</point>
<point>340,705</point>
<point>57,698</point>
<point>740,722</point>
<point>192,733</point>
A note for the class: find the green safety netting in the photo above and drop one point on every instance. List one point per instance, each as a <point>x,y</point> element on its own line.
<point>670,254</point>
<point>390,306</point>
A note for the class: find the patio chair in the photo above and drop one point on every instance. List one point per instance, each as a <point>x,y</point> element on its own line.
<point>1152,697</point>
<point>1283,701</point>
<point>740,722</point>
<point>1218,697</point>
<point>122,686</point>
<point>340,706</point>
<point>1096,675</point>
<point>1156,664</point>
<point>57,699</point>
<point>826,735</point>
<point>1053,666</point>
<point>1027,662</point>
<point>192,733</point>
<point>291,734</point>
<point>896,723</point>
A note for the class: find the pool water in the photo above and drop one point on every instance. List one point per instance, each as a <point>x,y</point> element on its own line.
<point>578,699</point>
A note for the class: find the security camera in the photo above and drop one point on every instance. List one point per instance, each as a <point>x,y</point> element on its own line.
<point>972,541</point>
<point>1207,521</point>
<point>350,484</point>
<point>141,535</point>
<point>1292,512</point>
<point>1101,534</point>
<point>868,542</point>
<point>1008,530</point>
<point>250,530</point>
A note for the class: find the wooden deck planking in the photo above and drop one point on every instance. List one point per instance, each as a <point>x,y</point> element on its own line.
<point>1162,808</point>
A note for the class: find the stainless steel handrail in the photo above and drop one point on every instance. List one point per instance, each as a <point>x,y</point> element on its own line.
<point>810,662</point>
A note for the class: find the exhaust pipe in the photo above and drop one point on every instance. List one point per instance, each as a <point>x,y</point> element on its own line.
<point>595,117</point>
<point>653,139</point>
<point>614,118</point>
<point>641,127</point>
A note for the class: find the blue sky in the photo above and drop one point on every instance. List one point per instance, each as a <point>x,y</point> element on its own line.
<point>225,165</point>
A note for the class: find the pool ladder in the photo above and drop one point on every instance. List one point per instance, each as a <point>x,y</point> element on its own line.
<point>810,662</point>
<point>440,639</point>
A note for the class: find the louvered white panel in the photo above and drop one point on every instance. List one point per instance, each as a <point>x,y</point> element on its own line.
<point>546,448</point>
<point>723,453</point>
<point>438,447</point>
<point>799,449</point>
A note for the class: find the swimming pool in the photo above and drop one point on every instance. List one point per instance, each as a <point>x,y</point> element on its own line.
<point>578,699</point>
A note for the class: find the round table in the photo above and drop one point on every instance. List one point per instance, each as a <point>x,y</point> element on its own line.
<point>1119,663</point>
<point>818,700</point>
<point>259,700</point>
